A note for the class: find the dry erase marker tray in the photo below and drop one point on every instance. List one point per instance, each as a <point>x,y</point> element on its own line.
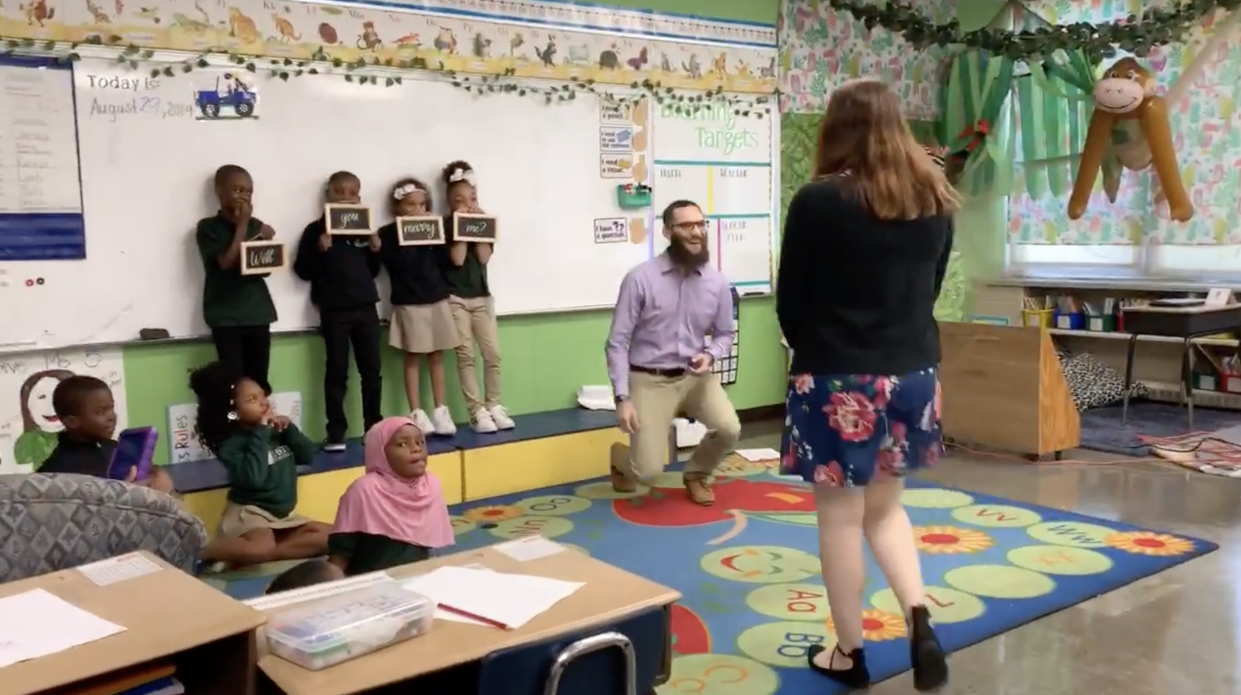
<point>345,626</point>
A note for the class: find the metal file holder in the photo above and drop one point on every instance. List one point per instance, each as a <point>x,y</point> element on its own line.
<point>589,645</point>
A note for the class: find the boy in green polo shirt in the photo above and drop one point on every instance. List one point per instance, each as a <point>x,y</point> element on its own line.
<point>237,308</point>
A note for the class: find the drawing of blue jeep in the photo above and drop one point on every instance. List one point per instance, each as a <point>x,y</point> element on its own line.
<point>229,92</point>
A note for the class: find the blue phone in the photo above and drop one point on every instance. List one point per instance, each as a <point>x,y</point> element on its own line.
<point>134,448</point>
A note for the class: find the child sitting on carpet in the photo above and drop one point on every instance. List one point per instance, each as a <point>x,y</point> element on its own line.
<point>261,451</point>
<point>395,513</point>
<point>85,407</point>
<point>305,574</point>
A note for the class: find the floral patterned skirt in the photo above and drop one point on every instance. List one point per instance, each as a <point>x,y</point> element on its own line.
<point>846,430</point>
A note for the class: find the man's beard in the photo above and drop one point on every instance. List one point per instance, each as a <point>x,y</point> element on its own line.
<point>685,258</point>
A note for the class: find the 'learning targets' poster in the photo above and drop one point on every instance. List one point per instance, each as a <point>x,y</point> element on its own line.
<point>28,423</point>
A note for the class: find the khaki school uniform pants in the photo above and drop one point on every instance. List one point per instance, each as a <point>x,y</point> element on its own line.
<point>476,325</point>
<point>659,399</point>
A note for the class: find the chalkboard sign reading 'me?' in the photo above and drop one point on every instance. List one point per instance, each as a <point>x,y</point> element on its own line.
<point>261,257</point>
<point>473,227</point>
<point>343,218</point>
<point>420,231</point>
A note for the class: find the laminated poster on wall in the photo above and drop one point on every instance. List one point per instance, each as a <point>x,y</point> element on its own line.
<point>29,426</point>
<point>183,444</point>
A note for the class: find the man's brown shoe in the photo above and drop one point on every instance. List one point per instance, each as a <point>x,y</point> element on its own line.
<point>621,481</point>
<point>699,489</point>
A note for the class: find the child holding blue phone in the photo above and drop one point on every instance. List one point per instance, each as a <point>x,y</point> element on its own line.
<point>261,451</point>
<point>85,407</point>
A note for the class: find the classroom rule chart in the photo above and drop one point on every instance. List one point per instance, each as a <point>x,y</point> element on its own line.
<point>722,160</point>
<point>40,185</point>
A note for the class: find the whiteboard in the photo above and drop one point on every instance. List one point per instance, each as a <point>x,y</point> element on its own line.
<point>725,160</point>
<point>147,164</point>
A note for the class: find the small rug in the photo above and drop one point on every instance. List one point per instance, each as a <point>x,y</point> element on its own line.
<point>748,568</point>
<point>1102,431</point>
<point>1198,451</point>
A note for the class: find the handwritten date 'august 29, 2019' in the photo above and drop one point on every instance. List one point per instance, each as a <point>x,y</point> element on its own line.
<point>147,106</point>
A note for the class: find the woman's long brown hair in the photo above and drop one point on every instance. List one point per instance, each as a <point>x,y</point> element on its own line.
<point>865,136</point>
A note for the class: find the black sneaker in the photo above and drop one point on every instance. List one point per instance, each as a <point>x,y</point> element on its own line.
<point>334,446</point>
<point>925,652</point>
<point>856,677</point>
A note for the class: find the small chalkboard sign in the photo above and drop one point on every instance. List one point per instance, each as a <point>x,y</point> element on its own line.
<point>347,218</point>
<point>420,231</point>
<point>261,257</point>
<point>468,226</point>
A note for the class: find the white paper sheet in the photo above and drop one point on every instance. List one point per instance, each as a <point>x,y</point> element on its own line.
<point>118,569</point>
<point>509,599</point>
<point>757,455</point>
<point>36,623</point>
<point>530,548</point>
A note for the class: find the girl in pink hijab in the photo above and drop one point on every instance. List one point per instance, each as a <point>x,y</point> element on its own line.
<point>395,513</point>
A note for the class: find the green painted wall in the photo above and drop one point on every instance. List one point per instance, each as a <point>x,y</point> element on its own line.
<point>546,358</point>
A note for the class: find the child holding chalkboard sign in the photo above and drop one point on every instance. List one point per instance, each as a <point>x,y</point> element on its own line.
<point>472,308</point>
<point>422,323</point>
<point>237,308</point>
<point>341,270</point>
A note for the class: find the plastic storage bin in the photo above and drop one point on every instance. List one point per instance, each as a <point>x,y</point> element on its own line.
<point>325,633</point>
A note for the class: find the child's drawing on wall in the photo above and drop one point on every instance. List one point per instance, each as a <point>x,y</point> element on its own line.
<point>29,427</point>
<point>40,426</point>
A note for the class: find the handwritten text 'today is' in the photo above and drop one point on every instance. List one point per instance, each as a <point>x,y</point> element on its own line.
<point>121,96</point>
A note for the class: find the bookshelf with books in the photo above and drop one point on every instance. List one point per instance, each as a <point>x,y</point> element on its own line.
<point>1088,317</point>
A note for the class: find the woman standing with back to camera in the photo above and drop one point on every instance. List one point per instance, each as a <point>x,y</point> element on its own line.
<point>864,253</point>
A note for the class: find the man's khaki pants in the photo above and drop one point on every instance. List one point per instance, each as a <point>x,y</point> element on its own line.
<point>659,399</point>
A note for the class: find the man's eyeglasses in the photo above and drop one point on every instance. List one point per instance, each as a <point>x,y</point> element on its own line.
<point>690,226</point>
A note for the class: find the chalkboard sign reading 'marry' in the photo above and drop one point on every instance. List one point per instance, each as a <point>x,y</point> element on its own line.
<point>343,218</point>
<point>261,257</point>
<point>420,231</point>
<point>468,226</point>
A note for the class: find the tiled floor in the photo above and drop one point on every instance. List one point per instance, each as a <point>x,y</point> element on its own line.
<point>1175,632</point>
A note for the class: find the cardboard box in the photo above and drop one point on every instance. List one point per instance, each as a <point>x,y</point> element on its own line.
<point>169,616</point>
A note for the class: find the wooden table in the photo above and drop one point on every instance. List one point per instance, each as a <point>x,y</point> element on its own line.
<point>1186,323</point>
<point>610,597</point>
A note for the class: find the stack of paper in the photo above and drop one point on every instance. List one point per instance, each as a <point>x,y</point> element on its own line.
<point>35,624</point>
<point>484,597</point>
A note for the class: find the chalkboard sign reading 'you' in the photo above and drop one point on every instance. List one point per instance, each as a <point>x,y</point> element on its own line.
<point>420,231</point>
<point>473,227</point>
<point>261,257</point>
<point>344,218</point>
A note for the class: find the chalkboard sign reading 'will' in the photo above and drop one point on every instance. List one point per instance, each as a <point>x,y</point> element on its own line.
<point>342,218</point>
<point>473,227</point>
<point>261,257</point>
<point>420,231</point>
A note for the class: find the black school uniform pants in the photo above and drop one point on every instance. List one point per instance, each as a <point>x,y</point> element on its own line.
<point>247,349</point>
<point>342,328</point>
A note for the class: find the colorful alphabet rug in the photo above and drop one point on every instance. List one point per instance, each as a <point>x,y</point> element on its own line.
<point>748,568</point>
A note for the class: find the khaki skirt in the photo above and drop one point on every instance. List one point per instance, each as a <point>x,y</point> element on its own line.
<point>239,519</point>
<point>423,328</point>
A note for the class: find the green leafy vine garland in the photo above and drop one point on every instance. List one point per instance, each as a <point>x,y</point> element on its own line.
<point>1136,35</point>
<point>136,58</point>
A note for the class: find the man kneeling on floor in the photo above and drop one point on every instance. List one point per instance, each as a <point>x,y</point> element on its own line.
<point>660,357</point>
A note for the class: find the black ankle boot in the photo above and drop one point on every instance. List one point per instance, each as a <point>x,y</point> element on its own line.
<point>930,667</point>
<point>856,676</point>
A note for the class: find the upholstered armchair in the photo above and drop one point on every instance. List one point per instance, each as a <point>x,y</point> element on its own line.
<point>51,522</point>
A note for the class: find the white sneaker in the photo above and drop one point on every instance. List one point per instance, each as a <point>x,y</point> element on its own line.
<point>481,421</point>
<point>501,418</point>
<point>333,447</point>
<point>442,418</point>
<point>422,422</point>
